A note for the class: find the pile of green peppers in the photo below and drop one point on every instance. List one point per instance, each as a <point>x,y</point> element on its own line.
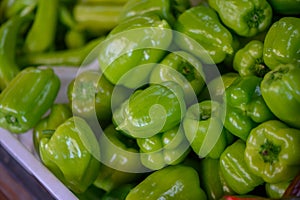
<point>189,99</point>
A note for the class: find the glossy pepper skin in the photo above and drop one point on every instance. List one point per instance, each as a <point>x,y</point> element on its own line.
<point>8,33</point>
<point>130,51</point>
<point>90,95</point>
<point>245,18</point>
<point>20,110</point>
<point>285,7</point>
<point>120,158</point>
<point>235,170</point>
<point>203,128</point>
<point>167,148</point>
<point>41,35</point>
<point>59,113</point>
<point>276,190</point>
<point>211,181</point>
<point>162,8</point>
<point>172,182</point>
<point>204,35</point>
<point>280,89</point>
<point>281,44</point>
<point>248,61</point>
<point>147,112</point>
<point>272,151</point>
<point>184,69</point>
<point>245,106</point>
<point>72,153</point>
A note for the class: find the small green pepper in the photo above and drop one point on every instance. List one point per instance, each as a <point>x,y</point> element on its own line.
<point>249,60</point>
<point>59,113</point>
<point>281,45</point>
<point>172,182</point>
<point>235,170</point>
<point>132,48</point>
<point>276,190</point>
<point>184,69</point>
<point>246,18</point>
<point>21,109</point>
<point>245,106</point>
<point>72,153</point>
<point>203,128</point>
<point>280,89</point>
<point>167,148</point>
<point>272,151</point>
<point>90,94</point>
<point>148,112</point>
<point>204,35</point>
<point>120,158</point>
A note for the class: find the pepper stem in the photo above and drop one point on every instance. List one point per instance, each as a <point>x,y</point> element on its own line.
<point>269,152</point>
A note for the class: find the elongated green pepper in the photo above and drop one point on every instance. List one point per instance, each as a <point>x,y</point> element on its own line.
<point>280,89</point>
<point>172,182</point>
<point>148,112</point>
<point>72,153</point>
<point>246,18</point>
<point>21,109</point>
<point>235,170</point>
<point>167,148</point>
<point>8,34</point>
<point>184,69</point>
<point>68,57</point>
<point>59,114</point>
<point>203,128</point>
<point>281,45</point>
<point>120,158</point>
<point>201,24</point>
<point>245,106</point>
<point>272,151</point>
<point>249,60</point>
<point>42,32</point>
<point>130,51</point>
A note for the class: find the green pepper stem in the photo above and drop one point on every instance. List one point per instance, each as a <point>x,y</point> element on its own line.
<point>269,152</point>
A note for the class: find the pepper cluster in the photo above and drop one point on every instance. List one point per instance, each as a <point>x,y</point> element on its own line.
<point>189,100</point>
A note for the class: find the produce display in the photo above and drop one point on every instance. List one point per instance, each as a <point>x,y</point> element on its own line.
<point>173,99</point>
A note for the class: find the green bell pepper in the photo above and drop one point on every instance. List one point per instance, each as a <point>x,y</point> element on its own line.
<point>281,45</point>
<point>184,69</point>
<point>167,148</point>
<point>42,33</point>
<point>211,181</point>
<point>285,7</point>
<point>245,106</point>
<point>162,8</point>
<point>90,94</point>
<point>72,153</point>
<point>272,151</point>
<point>9,32</point>
<point>148,112</point>
<point>280,89</point>
<point>235,170</point>
<point>172,182</point>
<point>59,113</point>
<point>215,88</point>
<point>203,128</point>
<point>246,18</point>
<point>130,51</point>
<point>21,109</point>
<point>120,158</point>
<point>276,190</point>
<point>249,60</point>
<point>203,35</point>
